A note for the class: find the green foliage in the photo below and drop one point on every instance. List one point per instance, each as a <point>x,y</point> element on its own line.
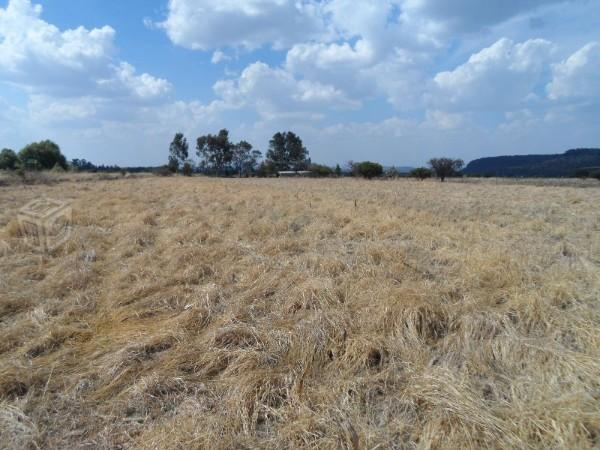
<point>244,158</point>
<point>216,151</point>
<point>338,170</point>
<point>321,170</point>
<point>173,165</point>
<point>82,165</point>
<point>286,152</point>
<point>8,159</point>
<point>42,155</point>
<point>366,169</point>
<point>446,167</point>
<point>187,168</point>
<point>266,169</point>
<point>178,152</point>
<point>421,173</point>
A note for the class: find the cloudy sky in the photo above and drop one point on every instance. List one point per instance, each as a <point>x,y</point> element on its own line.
<point>397,81</point>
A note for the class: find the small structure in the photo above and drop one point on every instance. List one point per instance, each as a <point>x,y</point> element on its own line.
<point>294,173</point>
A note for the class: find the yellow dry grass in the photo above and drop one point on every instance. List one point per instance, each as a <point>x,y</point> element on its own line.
<point>201,313</point>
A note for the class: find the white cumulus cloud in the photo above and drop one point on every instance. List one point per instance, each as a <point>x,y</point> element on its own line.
<point>504,74</point>
<point>577,77</point>
<point>209,24</point>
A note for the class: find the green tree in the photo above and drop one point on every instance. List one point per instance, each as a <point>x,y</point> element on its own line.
<point>366,169</point>
<point>421,173</point>
<point>446,167</point>
<point>42,155</point>
<point>216,151</point>
<point>82,165</point>
<point>244,157</point>
<point>321,170</point>
<point>8,159</point>
<point>178,152</point>
<point>338,170</point>
<point>287,152</point>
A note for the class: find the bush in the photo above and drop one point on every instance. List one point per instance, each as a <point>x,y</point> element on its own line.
<point>266,169</point>
<point>8,159</point>
<point>320,170</point>
<point>187,169</point>
<point>42,155</point>
<point>367,169</point>
<point>421,173</point>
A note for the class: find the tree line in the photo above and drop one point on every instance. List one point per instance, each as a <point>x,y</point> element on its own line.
<point>286,152</point>
<point>221,157</point>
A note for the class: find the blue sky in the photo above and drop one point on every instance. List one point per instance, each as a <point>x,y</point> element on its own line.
<point>398,81</point>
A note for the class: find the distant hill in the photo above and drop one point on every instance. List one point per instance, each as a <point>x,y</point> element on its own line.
<point>560,165</point>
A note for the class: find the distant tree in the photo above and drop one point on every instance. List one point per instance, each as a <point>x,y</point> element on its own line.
<point>216,151</point>
<point>8,159</point>
<point>42,155</point>
<point>187,168</point>
<point>446,167</point>
<point>82,165</point>
<point>421,173</point>
<point>286,152</point>
<point>366,169</point>
<point>321,170</point>
<point>178,152</point>
<point>245,159</point>
<point>338,170</point>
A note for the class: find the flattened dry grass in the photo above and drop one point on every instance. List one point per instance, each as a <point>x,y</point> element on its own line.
<point>209,313</point>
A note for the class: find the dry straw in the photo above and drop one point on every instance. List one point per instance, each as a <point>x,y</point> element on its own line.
<point>210,313</point>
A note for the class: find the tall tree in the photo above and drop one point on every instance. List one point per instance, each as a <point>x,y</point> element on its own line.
<point>446,167</point>
<point>244,158</point>
<point>178,152</point>
<point>286,152</point>
<point>216,151</point>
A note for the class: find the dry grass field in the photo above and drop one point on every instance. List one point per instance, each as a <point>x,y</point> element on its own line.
<point>195,313</point>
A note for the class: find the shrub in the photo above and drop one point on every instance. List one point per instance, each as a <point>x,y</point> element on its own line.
<point>8,159</point>
<point>266,169</point>
<point>320,170</point>
<point>367,169</point>
<point>42,155</point>
<point>421,173</point>
<point>187,169</point>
